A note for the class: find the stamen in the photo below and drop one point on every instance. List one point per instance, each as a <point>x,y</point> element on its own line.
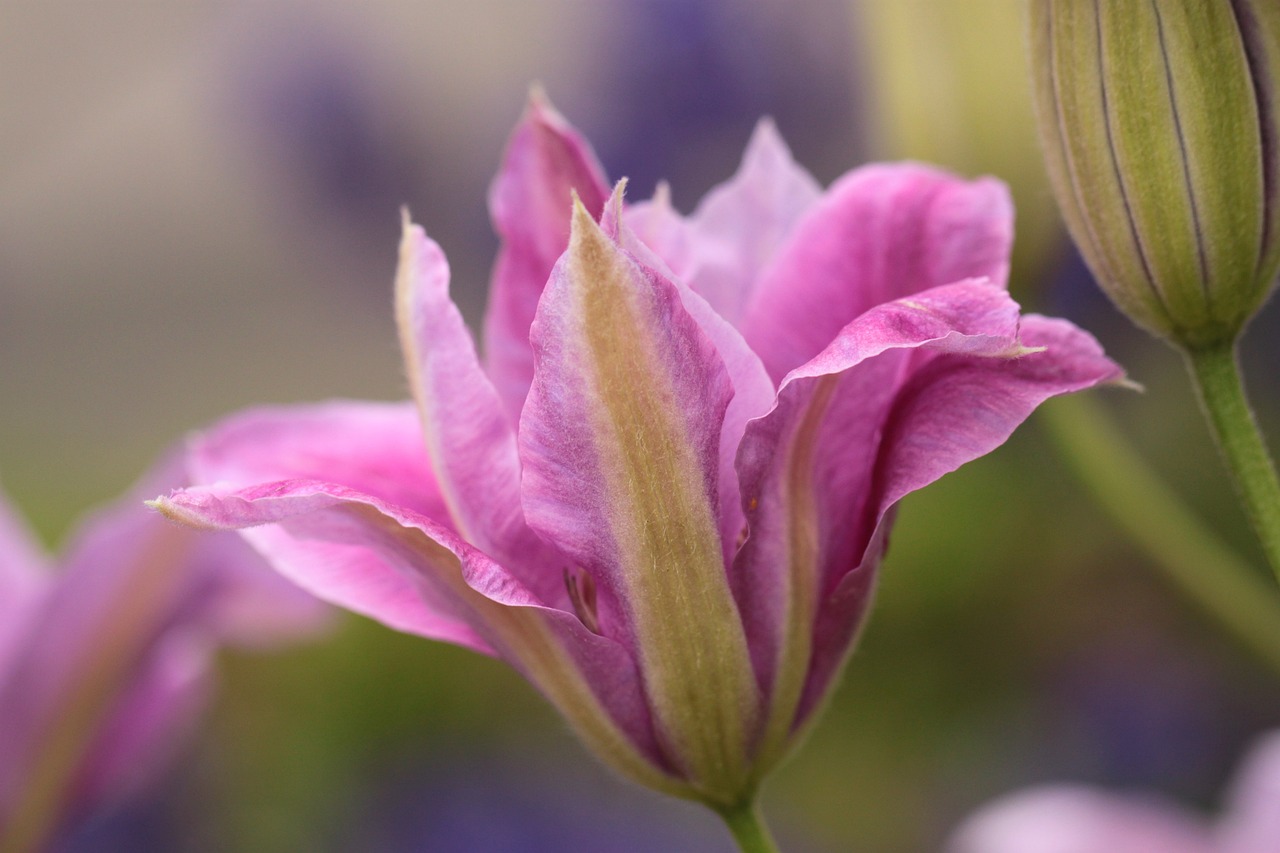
<point>582,594</point>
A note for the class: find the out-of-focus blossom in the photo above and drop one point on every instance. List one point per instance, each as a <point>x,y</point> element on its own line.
<point>666,499</point>
<point>1077,819</point>
<point>104,659</point>
<point>1159,123</point>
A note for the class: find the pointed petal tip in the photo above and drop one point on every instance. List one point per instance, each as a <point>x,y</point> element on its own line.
<point>766,132</point>
<point>539,102</point>
<point>539,109</point>
<point>582,220</point>
<point>173,511</point>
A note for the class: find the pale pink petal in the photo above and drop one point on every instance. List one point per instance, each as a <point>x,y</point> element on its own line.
<point>661,228</point>
<point>1252,820</point>
<point>740,225</point>
<point>620,444</point>
<point>24,577</point>
<point>1068,819</point>
<point>546,162</point>
<point>880,233</point>
<point>469,440</point>
<point>415,575</point>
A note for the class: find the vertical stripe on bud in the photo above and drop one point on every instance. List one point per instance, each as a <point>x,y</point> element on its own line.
<point>1159,126</point>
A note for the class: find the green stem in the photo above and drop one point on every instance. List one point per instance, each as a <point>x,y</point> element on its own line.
<point>1192,557</point>
<point>1216,374</point>
<point>748,828</point>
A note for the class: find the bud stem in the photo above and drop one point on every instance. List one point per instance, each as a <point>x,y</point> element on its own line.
<point>1215,371</point>
<point>1192,556</point>
<point>748,828</point>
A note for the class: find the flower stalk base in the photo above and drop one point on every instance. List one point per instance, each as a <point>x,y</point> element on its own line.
<point>749,829</point>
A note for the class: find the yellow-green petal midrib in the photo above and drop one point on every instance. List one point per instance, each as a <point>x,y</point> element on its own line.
<point>689,636</point>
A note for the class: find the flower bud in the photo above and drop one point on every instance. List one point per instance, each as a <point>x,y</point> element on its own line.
<point>1160,129</point>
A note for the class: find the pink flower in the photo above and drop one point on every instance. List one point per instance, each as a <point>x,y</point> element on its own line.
<point>104,663</point>
<point>1076,819</point>
<point>666,497</point>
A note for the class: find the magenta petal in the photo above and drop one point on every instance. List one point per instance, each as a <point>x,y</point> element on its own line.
<point>880,233</point>
<point>907,392</point>
<point>935,427</point>
<point>1069,819</point>
<point>415,575</point>
<point>374,448</point>
<point>311,532</point>
<point>546,162</point>
<point>470,441</point>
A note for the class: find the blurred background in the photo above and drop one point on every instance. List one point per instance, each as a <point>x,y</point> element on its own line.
<point>199,211</point>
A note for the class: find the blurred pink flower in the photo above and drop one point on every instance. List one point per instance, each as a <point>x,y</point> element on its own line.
<point>104,662</point>
<point>666,498</point>
<point>1076,819</point>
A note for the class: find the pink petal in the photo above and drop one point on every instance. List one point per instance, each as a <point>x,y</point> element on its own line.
<point>908,391</point>
<point>144,731</point>
<point>753,391</point>
<point>1068,819</point>
<point>546,162</point>
<point>740,225</point>
<point>1252,821</point>
<point>24,577</point>
<point>415,575</point>
<point>469,440</point>
<point>620,444</point>
<point>131,583</point>
<point>880,233</point>
<point>662,229</point>
<point>374,448</point>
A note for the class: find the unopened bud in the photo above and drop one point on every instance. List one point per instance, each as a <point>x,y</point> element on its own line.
<point>1159,124</point>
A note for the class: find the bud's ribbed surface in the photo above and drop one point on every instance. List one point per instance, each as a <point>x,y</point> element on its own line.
<point>1159,124</point>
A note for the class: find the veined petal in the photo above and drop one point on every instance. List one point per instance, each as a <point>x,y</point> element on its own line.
<point>908,391</point>
<point>740,225</point>
<point>620,444</point>
<point>880,233</point>
<point>414,574</point>
<point>470,441</point>
<point>753,391</point>
<point>546,162</point>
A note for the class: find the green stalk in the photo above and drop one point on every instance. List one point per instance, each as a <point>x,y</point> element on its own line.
<point>748,828</point>
<point>1191,556</point>
<point>1215,372</point>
